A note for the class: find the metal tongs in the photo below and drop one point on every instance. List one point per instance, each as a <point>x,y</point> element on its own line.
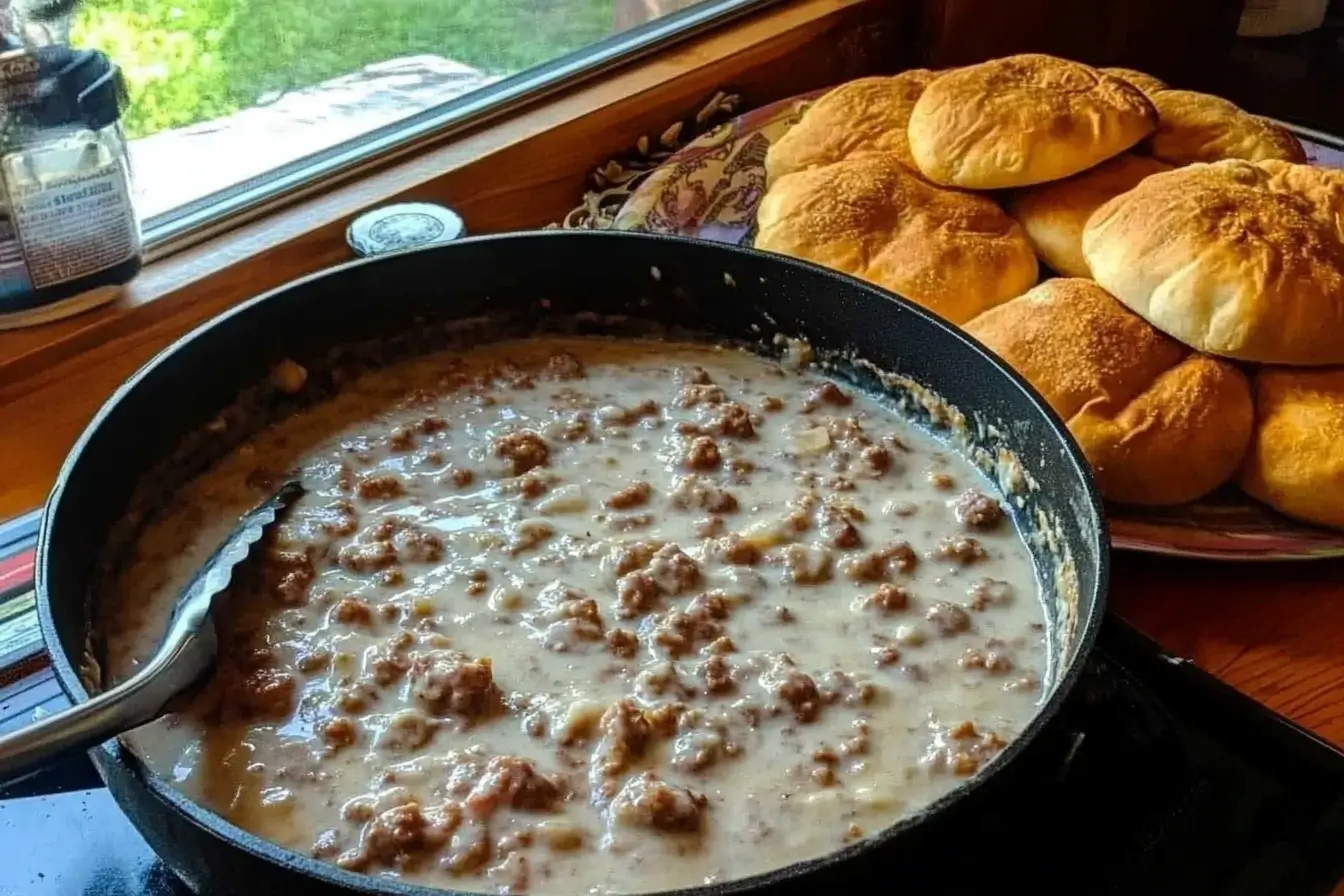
<point>190,646</point>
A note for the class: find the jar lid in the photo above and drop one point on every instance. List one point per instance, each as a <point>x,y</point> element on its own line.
<point>58,85</point>
<point>407,225</point>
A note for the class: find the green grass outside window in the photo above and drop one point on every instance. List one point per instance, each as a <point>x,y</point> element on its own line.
<point>188,61</point>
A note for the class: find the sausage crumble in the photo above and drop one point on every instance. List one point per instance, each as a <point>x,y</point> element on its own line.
<point>587,614</point>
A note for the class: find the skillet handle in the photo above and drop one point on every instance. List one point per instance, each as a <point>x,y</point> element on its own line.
<point>80,727</point>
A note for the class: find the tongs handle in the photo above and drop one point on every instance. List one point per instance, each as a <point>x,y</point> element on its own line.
<point>132,703</point>
<point>186,653</point>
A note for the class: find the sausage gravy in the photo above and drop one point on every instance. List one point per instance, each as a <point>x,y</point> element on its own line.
<point>588,616</point>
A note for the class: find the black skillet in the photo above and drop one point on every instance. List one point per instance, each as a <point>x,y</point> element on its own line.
<point>153,431</point>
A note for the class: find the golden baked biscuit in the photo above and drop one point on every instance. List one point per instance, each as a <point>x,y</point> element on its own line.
<point>1296,460</point>
<point>1024,120</point>
<point>954,253</point>
<point>1322,187</point>
<point>1199,127</point>
<point>1143,81</point>
<point>867,115</point>
<point>1229,259</point>
<point>1158,423</point>
<point>1054,214</point>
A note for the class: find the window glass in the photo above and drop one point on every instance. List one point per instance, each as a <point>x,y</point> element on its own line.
<point>225,94</point>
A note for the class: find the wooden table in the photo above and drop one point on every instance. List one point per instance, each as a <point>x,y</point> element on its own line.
<point>1273,631</point>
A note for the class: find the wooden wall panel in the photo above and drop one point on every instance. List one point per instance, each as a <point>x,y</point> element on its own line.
<point>1186,42</point>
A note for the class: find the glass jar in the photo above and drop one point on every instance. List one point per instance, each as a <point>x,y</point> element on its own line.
<point>1277,18</point>
<point>69,236</point>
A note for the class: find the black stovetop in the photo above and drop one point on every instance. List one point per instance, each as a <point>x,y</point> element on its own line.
<point>1156,779</point>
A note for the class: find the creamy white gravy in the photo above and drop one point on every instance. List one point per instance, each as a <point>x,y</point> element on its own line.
<point>570,616</point>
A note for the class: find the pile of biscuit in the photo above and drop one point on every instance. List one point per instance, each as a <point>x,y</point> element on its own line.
<point>1199,300</point>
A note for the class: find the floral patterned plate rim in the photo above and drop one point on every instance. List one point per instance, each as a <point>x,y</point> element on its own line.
<point>710,189</point>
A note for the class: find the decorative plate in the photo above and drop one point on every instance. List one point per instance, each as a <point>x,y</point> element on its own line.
<point>710,188</point>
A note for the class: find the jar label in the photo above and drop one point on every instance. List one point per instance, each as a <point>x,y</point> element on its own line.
<point>19,73</point>
<point>75,226</point>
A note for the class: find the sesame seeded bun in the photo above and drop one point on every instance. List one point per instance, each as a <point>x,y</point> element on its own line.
<point>1143,81</point>
<point>1296,460</point>
<point>1234,259</point>
<point>1024,120</point>
<point>863,116</point>
<point>954,253</point>
<point>1198,127</point>
<point>1160,424</point>
<point>1055,214</point>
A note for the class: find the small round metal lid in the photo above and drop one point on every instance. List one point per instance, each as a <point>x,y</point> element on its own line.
<point>408,225</point>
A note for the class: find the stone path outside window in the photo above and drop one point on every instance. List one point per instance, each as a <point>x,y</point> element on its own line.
<point>175,167</point>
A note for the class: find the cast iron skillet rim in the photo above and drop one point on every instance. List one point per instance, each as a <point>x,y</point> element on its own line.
<point>325,872</point>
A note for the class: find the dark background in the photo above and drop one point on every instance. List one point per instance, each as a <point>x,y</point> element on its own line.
<point>1188,43</point>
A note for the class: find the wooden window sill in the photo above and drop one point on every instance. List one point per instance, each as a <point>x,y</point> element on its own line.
<point>522,172</point>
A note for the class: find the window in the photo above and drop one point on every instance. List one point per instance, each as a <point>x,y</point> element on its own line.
<point>236,104</point>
